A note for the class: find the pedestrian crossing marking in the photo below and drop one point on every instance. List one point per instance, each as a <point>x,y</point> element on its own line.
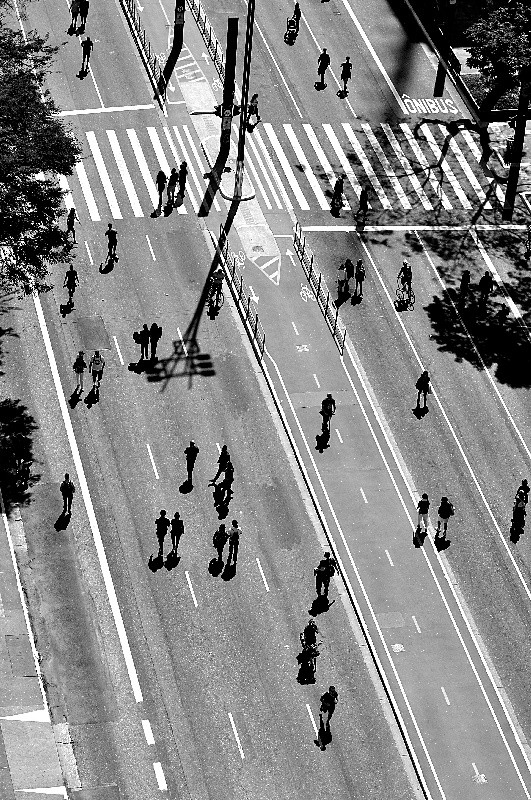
<point>341,157</point>
<point>312,180</point>
<point>260,163</point>
<point>124,173</point>
<point>104,175</point>
<point>463,163</point>
<point>384,161</point>
<point>467,136</point>
<point>287,202</point>
<point>442,162</point>
<point>199,161</point>
<point>329,172</point>
<point>163,161</point>
<point>142,164</point>
<point>249,164</point>
<point>436,186</point>
<point>87,192</point>
<point>406,166</point>
<point>273,138</point>
<point>176,157</point>
<point>365,163</point>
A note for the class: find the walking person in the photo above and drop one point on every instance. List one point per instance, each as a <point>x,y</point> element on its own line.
<point>71,218</point>
<point>83,12</point>
<point>445,511</point>
<point>176,531</point>
<point>155,334</point>
<point>346,74</point>
<point>191,453</point>
<point>219,540</point>
<point>79,366</point>
<point>486,285</point>
<point>328,409</point>
<point>172,185</point>
<point>252,110</point>
<point>464,287</point>
<point>87,46</point>
<point>143,341</point>
<point>364,204</point>
<point>323,62</point>
<point>342,282</point>
<point>70,282</point>
<point>112,242</point>
<point>96,367</point>
<point>423,387</point>
<point>67,490</point>
<point>183,175</point>
<point>226,484</point>
<point>423,507</point>
<point>524,489</point>
<point>234,542</point>
<point>161,181</point>
<point>328,706</point>
<point>324,572</point>
<point>349,273</point>
<point>360,277</point>
<point>223,462</point>
<point>297,17</point>
<point>74,11</point>
<point>162,523</point>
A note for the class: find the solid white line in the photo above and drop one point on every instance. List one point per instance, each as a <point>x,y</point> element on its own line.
<point>89,254</point>
<point>384,161</point>
<point>161,158</point>
<point>67,196</point>
<point>295,329</point>
<point>148,733</point>
<point>144,169</point>
<point>316,380</point>
<point>104,175</point>
<point>366,164</point>
<point>87,192</point>
<point>190,587</point>
<point>124,172</point>
<point>389,558</point>
<point>118,350</point>
<point>416,624</point>
<point>343,160</point>
<point>292,180</point>
<point>150,248</point>
<point>219,448</point>
<point>83,485</point>
<point>321,155</point>
<point>175,154</point>
<point>159,774</point>
<point>152,461</point>
<point>339,436</point>
<point>273,59</point>
<point>94,82</point>
<point>314,725</point>
<point>465,166</point>
<point>406,166</point>
<point>106,110</point>
<point>262,574</point>
<point>421,158</point>
<point>454,183</point>
<point>287,202</point>
<point>240,748</point>
<point>202,167</point>
<point>363,495</point>
<point>445,696</point>
<point>182,342</point>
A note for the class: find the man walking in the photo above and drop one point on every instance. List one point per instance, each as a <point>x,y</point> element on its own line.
<point>223,462</point>
<point>87,47</point>
<point>155,333</point>
<point>96,367</point>
<point>183,175</point>
<point>324,573</point>
<point>67,490</point>
<point>191,454</point>
<point>172,185</point>
<point>234,542</point>
<point>83,12</point>
<point>71,218</point>
<point>360,277</point>
<point>323,62</point>
<point>364,204</point>
<point>446,510</point>
<point>112,241</point>
<point>423,507</point>
<point>328,409</point>
<point>346,74</point>
<point>70,282</point>
<point>423,388</point>
<point>297,16</point>
<point>486,285</point>
<point>176,531</point>
<point>219,540</point>
<point>349,274</point>
<point>328,706</point>
<point>79,368</point>
<point>464,287</point>
<point>74,11</point>
<point>143,341</point>
<point>162,523</point>
<point>161,181</point>
<point>226,484</point>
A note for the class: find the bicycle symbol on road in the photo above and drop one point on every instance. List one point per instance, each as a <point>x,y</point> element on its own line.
<point>239,259</point>
<point>217,85</point>
<point>307,294</point>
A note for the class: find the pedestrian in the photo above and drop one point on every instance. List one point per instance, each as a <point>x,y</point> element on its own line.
<point>191,454</point>
<point>486,285</point>
<point>96,366</point>
<point>70,223</point>
<point>162,523</point>
<point>70,282</point>
<point>143,341</point>
<point>155,334</point>
<point>161,181</point>
<point>324,573</point>
<point>79,366</point>
<point>360,277</point>
<point>423,506</point>
<point>341,281</point>
<point>349,273</point>
<point>67,490</point>
<point>446,510</point>
<point>323,62</point>
<point>83,12</point>
<point>176,531</point>
<point>253,109</point>
<point>223,461</point>
<point>172,185</point>
<point>234,542</point>
<point>112,241</point>
<point>524,488</point>
<point>297,16</point>
<point>328,409</point>
<point>328,705</point>
<point>346,74</point>
<point>183,175</point>
<point>226,484</point>
<point>364,203</point>
<point>423,388</point>
<point>74,11</point>
<point>464,286</point>
<point>219,540</point>
<point>87,47</point>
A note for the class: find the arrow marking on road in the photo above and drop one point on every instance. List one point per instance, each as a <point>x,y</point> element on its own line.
<point>290,255</point>
<point>205,56</point>
<point>171,87</point>
<point>140,8</point>
<point>254,297</point>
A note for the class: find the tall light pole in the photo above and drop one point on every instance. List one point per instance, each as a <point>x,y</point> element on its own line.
<point>238,182</point>
<point>518,144</point>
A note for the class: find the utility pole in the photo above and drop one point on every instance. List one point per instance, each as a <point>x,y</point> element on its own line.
<point>446,29</point>
<point>179,13</point>
<point>227,108</point>
<point>517,145</point>
<point>238,182</point>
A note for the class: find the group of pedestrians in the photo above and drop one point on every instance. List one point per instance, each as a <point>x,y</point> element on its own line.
<point>162,181</point>
<point>485,286</point>
<point>148,339</point>
<point>96,366</point>
<point>444,512</point>
<point>323,63</point>
<point>350,272</point>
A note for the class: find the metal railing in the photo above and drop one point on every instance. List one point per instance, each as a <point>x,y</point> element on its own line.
<point>209,37</point>
<point>320,289</point>
<point>144,45</point>
<point>239,290</point>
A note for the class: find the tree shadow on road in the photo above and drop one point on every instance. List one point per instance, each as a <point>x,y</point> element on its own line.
<point>16,453</point>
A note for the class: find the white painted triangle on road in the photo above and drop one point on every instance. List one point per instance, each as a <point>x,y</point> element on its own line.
<point>39,715</point>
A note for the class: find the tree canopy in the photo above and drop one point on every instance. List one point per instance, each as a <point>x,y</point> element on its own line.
<point>36,146</point>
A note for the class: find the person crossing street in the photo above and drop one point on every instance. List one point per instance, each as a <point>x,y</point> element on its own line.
<point>323,62</point>
<point>96,367</point>
<point>346,74</point>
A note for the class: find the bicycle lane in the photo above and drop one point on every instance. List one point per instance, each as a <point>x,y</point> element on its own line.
<point>453,714</point>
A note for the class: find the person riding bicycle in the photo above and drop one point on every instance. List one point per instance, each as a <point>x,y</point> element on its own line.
<point>309,635</point>
<point>405,276</point>
<point>216,282</point>
<point>328,409</point>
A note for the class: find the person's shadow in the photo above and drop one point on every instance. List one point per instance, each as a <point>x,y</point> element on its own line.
<point>420,412</point>
<point>66,308</point>
<point>92,397</point>
<point>320,605</point>
<point>82,74</point>
<point>516,532</point>
<point>322,441</point>
<point>61,524</point>
<point>324,736</point>
<point>229,572</point>
<point>442,543</point>
<point>172,560</point>
<point>186,487</point>
<point>156,562</point>
<point>137,366</point>
<point>418,537</point>
<point>74,399</point>
<point>215,566</point>
<point>306,674</point>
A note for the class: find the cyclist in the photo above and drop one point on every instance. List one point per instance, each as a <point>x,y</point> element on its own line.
<point>328,409</point>
<point>405,277</point>
<point>216,282</point>
<point>309,635</point>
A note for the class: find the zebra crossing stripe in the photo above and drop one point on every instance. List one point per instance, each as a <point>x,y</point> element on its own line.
<point>104,175</point>
<point>384,200</point>
<point>142,164</point>
<point>249,165</point>
<point>436,186</point>
<point>442,162</point>
<point>271,135</point>
<point>124,172</point>
<point>308,171</point>
<point>406,166</point>
<point>287,202</point>
<point>161,158</point>
<point>258,157</point>
<point>465,166</point>
<point>310,133</point>
<point>191,168</point>
<point>197,157</point>
<point>384,161</point>
<point>343,160</point>
<point>467,136</point>
<point>67,193</point>
<point>176,156</point>
<point>87,192</point>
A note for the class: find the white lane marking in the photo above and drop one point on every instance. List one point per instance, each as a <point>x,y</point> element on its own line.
<point>384,161</point>
<point>363,495</point>
<point>339,436</point>
<point>150,248</point>
<point>443,163</point>
<point>189,581</point>
<point>319,49</point>
<point>467,136</point>
<point>106,110</point>
<point>445,695</point>
<point>310,177</point>
<point>142,164</point>
<point>295,329</point>
<point>365,163</point>
<point>349,228</point>
<point>104,175</point>
<point>148,733</point>
<point>161,158</point>
<point>314,725</point>
<point>202,167</point>
<point>435,185</point>
<point>478,778</point>
<point>249,165</point>
<point>510,302</point>
<point>273,59</point>
<point>377,61</point>
<point>321,155</point>
<point>406,166</point>
<point>159,774</point>
<point>292,180</point>
<point>124,172</point>
<point>262,574</point>
<point>83,485</point>
<point>68,198</point>
<point>171,143</point>
<point>416,624</point>
<point>343,160</point>
<point>251,143</point>
<point>465,166</point>
<point>118,350</point>
<point>95,84</point>
<point>240,748</point>
<point>389,557</point>
<point>89,254</point>
<point>152,461</point>
<point>219,448</point>
<point>287,202</point>
<point>316,380</point>
<point>87,192</point>
<point>182,342</point>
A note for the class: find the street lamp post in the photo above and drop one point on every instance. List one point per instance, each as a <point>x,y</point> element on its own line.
<point>238,182</point>
<point>518,144</point>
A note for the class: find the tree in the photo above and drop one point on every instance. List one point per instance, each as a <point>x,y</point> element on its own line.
<point>500,46</point>
<point>36,146</point>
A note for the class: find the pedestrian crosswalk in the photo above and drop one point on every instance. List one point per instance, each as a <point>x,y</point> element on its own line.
<point>291,167</point>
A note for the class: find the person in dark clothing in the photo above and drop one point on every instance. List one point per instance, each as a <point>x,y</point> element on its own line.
<point>349,273</point>
<point>524,489</point>
<point>328,704</point>
<point>183,175</point>
<point>309,635</point>
<point>234,542</point>
<point>162,524</point>
<point>143,340</point>
<point>464,287</point>
<point>112,241</point>
<point>176,531</point>
<point>223,461</point>
<point>67,490</point>
<point>70,223</point>
<point>83,12</point>
<point>364,203</point>
<point>346,73</point>
<point>423,388</point>
<point>172,185</point>
<point>160,182</point>
<point>486,285</point>
<point>423,507</point>
<point>74,11</point>
<point>155,333</point>
<point>87,46</point>
<point>70,282</point>
<point>323,62</point>
<point>227,482</point>
<point>328,409</point>
<point>220,539</point>
<point>360,277</point>
<point>323,574</point>
<point>191,454</point>
<point>79,367</point>
<point>252,111</point>
<point>446,510</point>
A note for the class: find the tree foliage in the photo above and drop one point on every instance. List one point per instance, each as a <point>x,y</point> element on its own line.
<point>500,45</point>
<point>36,146</point>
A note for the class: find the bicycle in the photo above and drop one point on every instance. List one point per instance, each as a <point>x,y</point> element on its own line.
<point>405,296</point>
<point>216,300</point>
